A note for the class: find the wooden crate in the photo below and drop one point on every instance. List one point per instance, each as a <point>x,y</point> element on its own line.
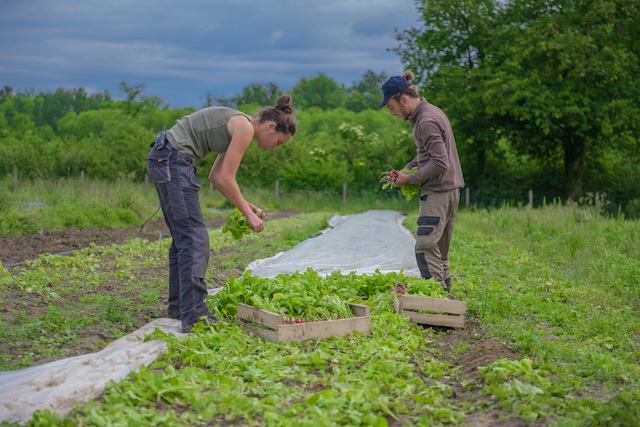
<point>453,312</point>
<point>272,326</point>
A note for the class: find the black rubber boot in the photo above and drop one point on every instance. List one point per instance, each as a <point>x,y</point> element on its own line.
<point>171,314</point>
<point>198,314</point>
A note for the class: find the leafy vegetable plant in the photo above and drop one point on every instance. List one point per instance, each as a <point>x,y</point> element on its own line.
<point>238,225</point>
<point>306,296</point>
<point>388,180</point>
<point>301,296</point>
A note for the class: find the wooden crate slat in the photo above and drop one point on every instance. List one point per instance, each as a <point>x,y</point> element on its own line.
<point>268,334</point>
<point>262,317</point>
<point>410,302</point>
<point>436,319</point>
<point>360,310</point>
<point>323,329</point>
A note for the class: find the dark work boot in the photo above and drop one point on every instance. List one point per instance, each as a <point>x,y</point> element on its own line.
<point>172,314</point>
<point>198,314</point>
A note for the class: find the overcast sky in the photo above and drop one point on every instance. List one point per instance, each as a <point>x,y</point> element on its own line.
<point>182,50</point>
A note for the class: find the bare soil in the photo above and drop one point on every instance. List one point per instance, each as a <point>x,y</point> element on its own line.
<point>481,350</point>
<point>16,250</point>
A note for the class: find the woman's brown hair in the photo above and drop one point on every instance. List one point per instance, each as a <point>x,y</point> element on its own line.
<point>281,114</point>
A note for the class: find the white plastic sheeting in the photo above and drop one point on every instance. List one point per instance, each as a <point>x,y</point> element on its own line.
<point>59,385</point>
<point>363,243</point>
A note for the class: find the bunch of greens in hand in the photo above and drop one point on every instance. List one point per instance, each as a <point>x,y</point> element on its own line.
<point>238,225</point>
<point>388,180</point>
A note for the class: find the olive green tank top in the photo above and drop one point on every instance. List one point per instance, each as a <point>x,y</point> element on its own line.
<point>203,132</point>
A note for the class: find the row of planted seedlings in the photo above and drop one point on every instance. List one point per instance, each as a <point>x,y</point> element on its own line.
<point>223,375</point>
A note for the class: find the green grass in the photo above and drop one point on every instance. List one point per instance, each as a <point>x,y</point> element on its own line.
<point>38,205</point>
<point>64,203</point>
<point>561,284</point>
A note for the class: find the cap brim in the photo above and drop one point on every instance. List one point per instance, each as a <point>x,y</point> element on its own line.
<point>383,103</point>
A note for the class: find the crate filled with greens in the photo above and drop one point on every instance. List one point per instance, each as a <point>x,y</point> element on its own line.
<point>293,307</point>
<point>276,327</point>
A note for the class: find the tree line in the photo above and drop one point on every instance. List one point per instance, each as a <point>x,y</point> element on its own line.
<point>543,96</point>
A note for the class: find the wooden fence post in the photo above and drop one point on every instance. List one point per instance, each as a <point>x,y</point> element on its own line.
<point>277,189</point>
<point>531,198</point>
<point>82,175</point>
<point>344,193</point>
<point>467,197</point>
<point>15,178</point>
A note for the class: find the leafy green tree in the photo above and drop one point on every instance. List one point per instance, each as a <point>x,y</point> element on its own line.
<point>254,93</point>
<point>222,101</point>
<point>51,107</point>
<point>258,93</point>
<point>94,122</point>
<point>152,102</point>
<point>568,82</point>
<point>209,100</point>
<point>5,92</point>
<point>368,155</point>
<point>152,118</point>
<point>12,104</point>
<point>366,93</point>
<point>131,95</point>
<point>558,80</point>
<point>321,91</point>
<point>447,55</point>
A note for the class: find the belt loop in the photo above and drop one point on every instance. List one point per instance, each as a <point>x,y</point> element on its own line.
<point>161,138</point>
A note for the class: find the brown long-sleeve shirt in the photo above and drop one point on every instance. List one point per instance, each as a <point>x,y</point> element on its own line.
<point>436,152</point>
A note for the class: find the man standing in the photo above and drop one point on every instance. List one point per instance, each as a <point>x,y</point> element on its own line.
<point>439,174</point>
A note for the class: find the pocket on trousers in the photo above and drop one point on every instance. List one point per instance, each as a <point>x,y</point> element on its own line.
<point>158,166</point>
<point>187,172</point>
<point>426,225</point>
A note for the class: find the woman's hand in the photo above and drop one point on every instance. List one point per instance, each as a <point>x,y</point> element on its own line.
<point>255,223</point>
<point>256,210</point>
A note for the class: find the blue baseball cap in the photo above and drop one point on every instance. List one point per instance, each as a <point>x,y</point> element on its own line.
<point>392,86</point>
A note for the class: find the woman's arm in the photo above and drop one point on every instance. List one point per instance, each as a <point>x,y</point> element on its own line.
<point>225,167</point>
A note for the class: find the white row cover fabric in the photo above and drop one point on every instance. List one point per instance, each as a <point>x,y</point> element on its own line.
<point>363,243</point>
<point>58,386</point>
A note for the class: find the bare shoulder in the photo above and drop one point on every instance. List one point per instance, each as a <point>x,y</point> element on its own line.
<point>240,124</point>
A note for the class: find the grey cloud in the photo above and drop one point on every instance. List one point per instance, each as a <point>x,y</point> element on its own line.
<point>182,48</point>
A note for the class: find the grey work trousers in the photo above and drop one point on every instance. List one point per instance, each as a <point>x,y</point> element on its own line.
<point>174,177</point>
<point>435,230</point>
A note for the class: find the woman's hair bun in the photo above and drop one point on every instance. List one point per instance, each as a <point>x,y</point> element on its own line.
<point>284,104</point>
